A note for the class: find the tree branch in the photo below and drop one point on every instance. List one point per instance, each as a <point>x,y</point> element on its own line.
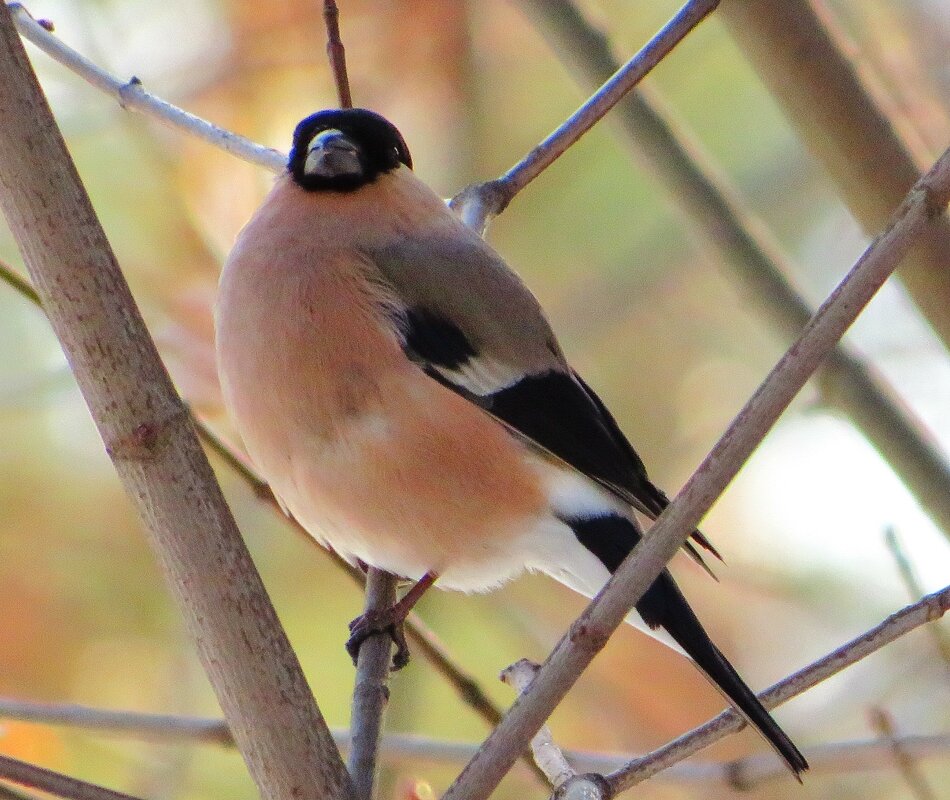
<point>477,204</point>
<point>547,755</point>
<point>336,53</point>
<point>12,769</point>
<point>915,588</point>
<point>590,632</point>
<point>714,210</point>
<point>906,765</point>
<point>745,772</point>
<point>371,693</point>
<point>929,609</point>
<point>149,435</point>
<point>840,115</point>
<point>132,96</point>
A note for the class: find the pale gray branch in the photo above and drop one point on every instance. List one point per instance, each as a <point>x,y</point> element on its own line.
<point>150,437</point>
<point>831,757</point>
<point>547,755</point>
<point>131,95</point>
<point>477,204</point>
<point>590,632</point>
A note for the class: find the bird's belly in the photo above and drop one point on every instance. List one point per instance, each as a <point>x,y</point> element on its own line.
<point>420,481</point>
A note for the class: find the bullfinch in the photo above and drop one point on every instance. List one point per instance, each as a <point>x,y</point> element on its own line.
<point>401,390</point>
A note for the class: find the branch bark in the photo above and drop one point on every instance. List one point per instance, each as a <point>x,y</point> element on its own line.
<point>713,210</point>
<point>477,204</point>
<point>149,435</point>
<point>12,769</point>
<point>371,692</point>
<point>841,117</point>
<point>590,632</point>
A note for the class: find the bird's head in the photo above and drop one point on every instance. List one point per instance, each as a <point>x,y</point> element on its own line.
<point>344,149</point>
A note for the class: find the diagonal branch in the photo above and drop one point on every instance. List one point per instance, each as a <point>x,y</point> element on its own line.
<point>150,438</point>
<point>12,769</point>
<point>760,269</point>
<point>929,609</point>
<point>477,204</point>
<point>132,96</point>
<point>842,118</point>
<point>590,632</point>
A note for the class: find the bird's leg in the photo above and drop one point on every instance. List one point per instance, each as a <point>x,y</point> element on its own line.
<point>389,620</point>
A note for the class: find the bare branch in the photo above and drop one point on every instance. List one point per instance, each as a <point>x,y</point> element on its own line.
<point>916,782</point>
<point>132,96</point>
<point>752,256</point>
<point>841,115</point>
<point>476,205</point>
<point>149,435</point>
<point>745,772</point>
<point>590,632</point>
<point>336,53</point>
<point>930,608</point>
<point>915,588</point>
<point>371,692</point>
<point>547,755</point>
<point>56,783</point>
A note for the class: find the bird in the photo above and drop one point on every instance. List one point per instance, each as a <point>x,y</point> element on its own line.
<point>403,393</point>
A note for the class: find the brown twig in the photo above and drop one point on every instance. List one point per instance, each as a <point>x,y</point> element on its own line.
<point>149,435</point>
<point>477,204</point>
<point>371,692</point>
<point>590,632</point>
<point>55,783</point>
<point>753,257</point>
<point>336,53</point>
<point>907,766</point>
<point>840,114</point>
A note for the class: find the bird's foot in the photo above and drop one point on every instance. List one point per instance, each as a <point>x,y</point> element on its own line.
<point>388,620</point>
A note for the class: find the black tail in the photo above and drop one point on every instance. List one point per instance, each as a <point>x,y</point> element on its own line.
<point>663,605</point>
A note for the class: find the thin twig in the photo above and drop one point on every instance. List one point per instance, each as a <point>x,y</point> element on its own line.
<point>547,755</point>
<point>371,692</point>
<point>477,204</point>
<point>915,588</point>
<point>907,766</point>
<point>9,793</point>
<point>751,256</point>
<point>748,771</point>
<point>336,53</point>
<point>929,609</point>
<point>148,433</point>
<point>590,632</point>
<point>131,95</point>
<point>56,783</point>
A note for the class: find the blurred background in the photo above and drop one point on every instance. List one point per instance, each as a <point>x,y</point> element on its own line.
<point>652,321</point>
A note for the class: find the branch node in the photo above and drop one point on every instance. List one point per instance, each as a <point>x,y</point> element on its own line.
<point>588,786</point>
<point>478,203</point>
<point>146,439</point>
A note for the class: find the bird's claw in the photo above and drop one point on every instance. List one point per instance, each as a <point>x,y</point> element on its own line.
<point>370,624</point>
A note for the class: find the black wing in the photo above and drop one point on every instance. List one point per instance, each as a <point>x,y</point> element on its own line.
<point>555,410</point>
